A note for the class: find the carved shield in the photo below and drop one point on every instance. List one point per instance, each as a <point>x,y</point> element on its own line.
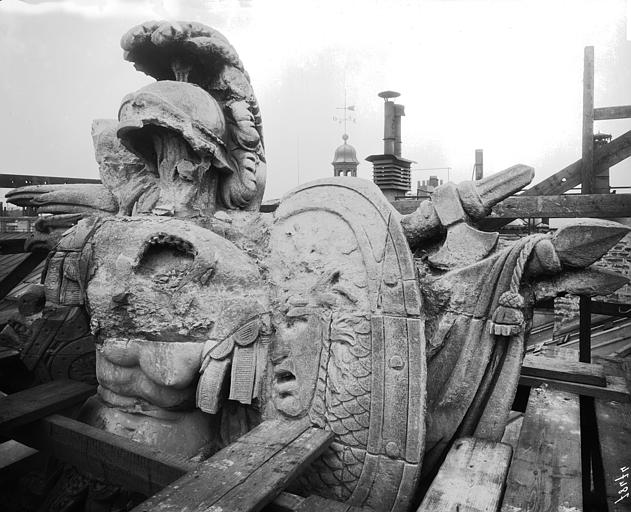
<point>350,347</point>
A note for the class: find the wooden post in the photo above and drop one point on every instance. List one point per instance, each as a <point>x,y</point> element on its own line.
<point>585,321</point>
<point>588,122</point>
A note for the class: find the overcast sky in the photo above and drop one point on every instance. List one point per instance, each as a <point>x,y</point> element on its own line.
<point>505,76</point>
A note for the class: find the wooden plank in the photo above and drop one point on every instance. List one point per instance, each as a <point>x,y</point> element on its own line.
<point>513,429</point>
<point>587,168</point>
<point>616,151</point>
<point>571,371</point>
<point>285,502</point>
<point>604,113</point>
<point>15,458</point>
<point>545,474</point>
<point>616,388</point>
<point>319,504</point>
<point>570,176</point>
<point>567,178</point>
<point>249,473</point>
<point>8,356</point>
<point>610,308</point>
<point>21,271</point>
<point>22,180</point>
<point>585,329</point>
<point>554,206</point>
<point>8,262</point>
<point>38,402</point>
<point>622,352</point>
<point>564,206</point>
<point>470,479</point>
<point>115,459</point>
<point>14,245</point>
<point>103,455</point>
<point>566,354</point>
<point>614,435</point>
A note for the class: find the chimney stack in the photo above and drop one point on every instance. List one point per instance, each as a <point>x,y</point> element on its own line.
<point>479,164</point>
<point>391,172</point>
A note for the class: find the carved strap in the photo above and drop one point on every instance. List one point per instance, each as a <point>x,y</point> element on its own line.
<point>447,205</point>
<point>246,358</point>
<point>209,387</point>
<point>243,373</point>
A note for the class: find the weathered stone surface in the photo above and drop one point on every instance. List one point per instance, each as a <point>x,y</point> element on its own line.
<point>589,281</point>
<point>195,53</point>
<point>160,291</point>
<point>178,131</point>
<point>209,317</point>
<point>544,259</point>
<point>349,346</point>
<point>74,198</point>
<point>585,242</point>
<point>128,178</point>
<point>451,208</point>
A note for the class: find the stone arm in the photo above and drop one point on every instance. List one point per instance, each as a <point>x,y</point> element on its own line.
<point>454,206</point>
<point>61,199</point>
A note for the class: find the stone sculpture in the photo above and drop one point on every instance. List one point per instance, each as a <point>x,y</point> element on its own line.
<point>209,316</point>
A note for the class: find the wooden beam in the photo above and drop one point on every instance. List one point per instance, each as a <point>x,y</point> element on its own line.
<point>285,502</point>
<point>603,113</point>
<point>546,468</point>
<point>587,168</point>
<point>249,473</point>
<point>115,459</point>
<point>614,434</point>
<point>13,245</point>
<point>15,458</point>
<point>604,156</point>
<point>613,153</point>
<point>564,206</point>
<point>471,478</point>
<point>585,329</point>
<point>103,455</point>
<point>616,388</point>
<point>319,504</point>
<point>570,371</point>
<point>557,206</point>
<point>8,356</point>
<point>20,272</point>
<point>27,406</point>
<point>569,177</point>
<point>22,180</point>
<point>611,309</point>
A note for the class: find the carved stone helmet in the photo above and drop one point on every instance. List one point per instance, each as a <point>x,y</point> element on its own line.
<point>178,106</point>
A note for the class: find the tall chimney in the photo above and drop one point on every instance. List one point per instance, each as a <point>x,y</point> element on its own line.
<point>389,127</point>
<point>391,172</point>
<point>399,110</point>
<point>479,164</point>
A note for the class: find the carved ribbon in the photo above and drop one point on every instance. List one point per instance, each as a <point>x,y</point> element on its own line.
<point>246,358</point>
